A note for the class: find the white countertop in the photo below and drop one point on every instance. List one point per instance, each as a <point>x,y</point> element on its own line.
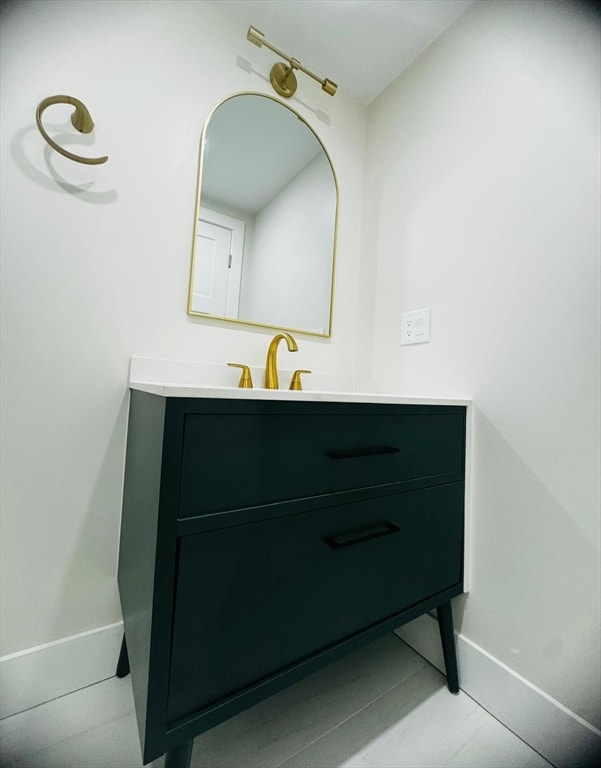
<point>234,393</point>
<point>171,378</point>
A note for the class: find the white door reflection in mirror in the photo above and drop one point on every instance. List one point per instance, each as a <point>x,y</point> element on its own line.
<point>266,183</point>
<point>216,281</point>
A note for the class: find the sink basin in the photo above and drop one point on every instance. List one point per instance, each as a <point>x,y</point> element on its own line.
<point>176,378</point>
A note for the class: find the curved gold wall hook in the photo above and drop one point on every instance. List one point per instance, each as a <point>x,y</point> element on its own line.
<point>82,121</point>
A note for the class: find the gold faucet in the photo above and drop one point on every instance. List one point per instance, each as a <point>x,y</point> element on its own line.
<point>271,369</point>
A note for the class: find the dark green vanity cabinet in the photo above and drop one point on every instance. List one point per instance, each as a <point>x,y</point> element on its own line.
<point>263,539</point>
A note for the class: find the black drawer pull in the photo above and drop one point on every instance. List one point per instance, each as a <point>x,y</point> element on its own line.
<point>365,534</point>
<point>355,453</point>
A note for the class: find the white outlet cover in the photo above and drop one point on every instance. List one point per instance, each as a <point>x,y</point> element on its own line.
<point>415,326</point>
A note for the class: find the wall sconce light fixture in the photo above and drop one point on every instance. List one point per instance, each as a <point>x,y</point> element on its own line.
<point>282,76</point>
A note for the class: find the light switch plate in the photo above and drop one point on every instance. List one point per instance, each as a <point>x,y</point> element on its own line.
<point>415,326</point>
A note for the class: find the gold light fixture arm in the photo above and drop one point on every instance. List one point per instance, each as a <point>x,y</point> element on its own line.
<point>81,120</point>
<point>282,76</point>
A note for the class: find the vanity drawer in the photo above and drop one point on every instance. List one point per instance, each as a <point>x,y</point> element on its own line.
<point>252,600</point>
<point>236,460</point>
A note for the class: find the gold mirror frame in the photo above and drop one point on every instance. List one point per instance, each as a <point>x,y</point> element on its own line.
<point>241,321</point>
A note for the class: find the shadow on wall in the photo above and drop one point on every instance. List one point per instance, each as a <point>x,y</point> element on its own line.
<point>56,182</point>
<point>246,66</point>
<point>93,568</point>
<point>535,598</point>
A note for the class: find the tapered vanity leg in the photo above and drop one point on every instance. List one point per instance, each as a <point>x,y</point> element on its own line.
<point>447,638</point>
<point>180,757</point>
<point>123,663</point>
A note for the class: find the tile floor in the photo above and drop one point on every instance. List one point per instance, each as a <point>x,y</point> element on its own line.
<point>382,707</point>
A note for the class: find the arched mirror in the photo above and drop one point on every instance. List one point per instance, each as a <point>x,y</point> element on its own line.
<point>265,225</point>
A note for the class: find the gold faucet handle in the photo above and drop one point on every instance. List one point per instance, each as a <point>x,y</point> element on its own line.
<point>246,381</point>
<point>296,379</point>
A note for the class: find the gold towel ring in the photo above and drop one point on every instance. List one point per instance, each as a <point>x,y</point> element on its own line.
<point>82,121</point>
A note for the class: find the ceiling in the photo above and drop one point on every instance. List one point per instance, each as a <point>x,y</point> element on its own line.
<point>362,45</point>
<point>252,148</point>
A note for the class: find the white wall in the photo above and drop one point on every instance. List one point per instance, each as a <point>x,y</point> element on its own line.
<point>95,269</point>
<point>482,201</point>
<point>298,223</point>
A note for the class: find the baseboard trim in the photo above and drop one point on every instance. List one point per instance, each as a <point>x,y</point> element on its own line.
<point>558,734</point>
<point>43,673</point>
<point>31,677</point>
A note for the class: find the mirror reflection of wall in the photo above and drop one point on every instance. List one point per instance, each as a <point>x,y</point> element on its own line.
<point>265,227</point>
